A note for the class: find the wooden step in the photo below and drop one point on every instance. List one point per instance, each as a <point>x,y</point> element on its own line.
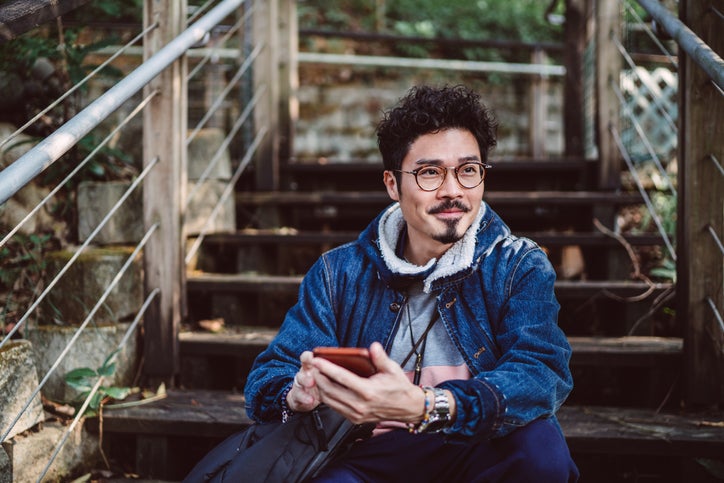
<point>630,351</point>
<point>506,173</point>
<point>255,283</point>
<point>295,237</point>
<point>588,429</point>
<point>381,199</point>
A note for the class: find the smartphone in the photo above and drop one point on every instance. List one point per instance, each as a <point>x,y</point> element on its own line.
<point>355,359</point>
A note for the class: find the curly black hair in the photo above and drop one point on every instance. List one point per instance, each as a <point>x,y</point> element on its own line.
<point>426,110</point>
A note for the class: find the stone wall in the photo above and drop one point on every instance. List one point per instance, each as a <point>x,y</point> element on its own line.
<point>338,112</point>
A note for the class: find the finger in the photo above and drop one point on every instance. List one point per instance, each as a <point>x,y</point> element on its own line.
<point>381,360</point>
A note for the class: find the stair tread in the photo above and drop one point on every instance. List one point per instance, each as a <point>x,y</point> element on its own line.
<point>587,428</point>
<point>494,197</point>
<point>254,282</point>
<point>513,164</point>
<point>621,351</point>
<point>291,236</point>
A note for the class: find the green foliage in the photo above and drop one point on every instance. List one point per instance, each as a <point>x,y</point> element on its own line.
<point>22,258</point>
<point>515,20</point>
<point>84,379</point>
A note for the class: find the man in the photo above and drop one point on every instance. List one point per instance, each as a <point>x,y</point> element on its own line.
<point>459,316</point>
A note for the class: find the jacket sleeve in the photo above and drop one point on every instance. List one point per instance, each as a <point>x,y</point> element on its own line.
<point>531,378</point>
<point>308,324</point>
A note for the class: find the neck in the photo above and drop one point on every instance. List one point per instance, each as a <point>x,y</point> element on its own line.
<point>420,254</point>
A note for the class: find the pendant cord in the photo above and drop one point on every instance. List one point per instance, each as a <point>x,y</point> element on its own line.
<point>422,340</point>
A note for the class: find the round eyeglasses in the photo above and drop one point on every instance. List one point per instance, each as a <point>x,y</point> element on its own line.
<point>430,178</point>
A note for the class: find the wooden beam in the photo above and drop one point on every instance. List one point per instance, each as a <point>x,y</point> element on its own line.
<point>19,16</point>
<point>266,76</point>
<point>575,39</point>
<point>608,71</point>
<point>164,136</point>
<point>701,212</point>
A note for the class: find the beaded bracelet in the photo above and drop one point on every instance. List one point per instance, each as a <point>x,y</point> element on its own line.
<point>286,411</point>
<point>417,428</point>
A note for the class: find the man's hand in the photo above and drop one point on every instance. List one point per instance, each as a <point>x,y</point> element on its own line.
<point>387,395</point>
<point>304,395</point>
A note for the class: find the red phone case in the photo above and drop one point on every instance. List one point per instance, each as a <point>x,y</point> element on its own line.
<point>355,359</point>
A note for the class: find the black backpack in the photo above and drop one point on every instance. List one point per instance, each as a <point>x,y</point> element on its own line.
<point>294,451</point>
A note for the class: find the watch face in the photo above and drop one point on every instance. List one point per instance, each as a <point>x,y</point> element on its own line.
<point>436,425</point>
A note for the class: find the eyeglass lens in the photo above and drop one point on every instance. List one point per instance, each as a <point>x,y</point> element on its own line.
<point>469,175</point>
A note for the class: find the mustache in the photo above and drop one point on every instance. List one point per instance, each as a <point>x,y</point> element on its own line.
<point>449,205</point>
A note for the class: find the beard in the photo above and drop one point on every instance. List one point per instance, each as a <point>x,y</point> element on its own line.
<point>450,234</point>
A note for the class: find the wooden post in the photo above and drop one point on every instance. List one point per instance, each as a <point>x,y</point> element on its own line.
<point>266,76</point>
<point>164,133</point>
<point>288,77</point>
<point>575,40</point>
<point>538,112</point>
<point>701,208</point>
<point>608,70</point>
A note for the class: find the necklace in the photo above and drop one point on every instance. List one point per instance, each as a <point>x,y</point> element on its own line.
<point>421,341</point>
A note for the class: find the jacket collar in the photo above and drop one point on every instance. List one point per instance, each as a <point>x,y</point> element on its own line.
<point>380,240</point>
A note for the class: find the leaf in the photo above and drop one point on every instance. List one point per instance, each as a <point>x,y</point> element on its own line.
<point>117,392</point>
<point>107,370</point>
<point>95,401</point>
<point>80,373</point>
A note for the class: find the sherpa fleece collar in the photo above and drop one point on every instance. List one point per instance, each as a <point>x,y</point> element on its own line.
<point>458,257</point>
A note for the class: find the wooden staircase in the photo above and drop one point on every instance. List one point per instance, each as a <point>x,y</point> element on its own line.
<point>623,414</point>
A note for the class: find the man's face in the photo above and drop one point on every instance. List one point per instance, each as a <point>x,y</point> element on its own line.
<point>436,219</point>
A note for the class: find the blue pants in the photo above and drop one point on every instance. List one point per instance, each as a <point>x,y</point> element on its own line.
<point>534,453</point>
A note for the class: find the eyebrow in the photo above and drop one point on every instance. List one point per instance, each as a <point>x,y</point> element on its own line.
<point>463,160</point>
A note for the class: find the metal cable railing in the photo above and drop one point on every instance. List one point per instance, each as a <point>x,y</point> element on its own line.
<point>243,117</point>
<point>52,150</point>
<point>80,84</point>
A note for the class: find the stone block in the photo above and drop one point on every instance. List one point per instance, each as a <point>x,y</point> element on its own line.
<point>79,289</point>
<point>202,150</point>
<point>27,454</point>
<point>95,200</point>
<point>203,203</point>
<point>18,380</point>
<point>91,348</point>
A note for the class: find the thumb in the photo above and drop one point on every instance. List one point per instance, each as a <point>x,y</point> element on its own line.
<point>380,359</point>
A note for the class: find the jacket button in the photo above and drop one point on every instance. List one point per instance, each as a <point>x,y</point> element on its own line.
<point>395,307</point>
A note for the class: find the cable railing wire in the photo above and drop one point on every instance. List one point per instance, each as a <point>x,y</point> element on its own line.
<point>697,50</point>
<point>86,402</point>
<point>216,49</point>
<point>644,139</point>
<point>716,238</point>
<point>654,95</point>
<point>77,86</point>
<point>716,313</point>
<point>248,62</point>
<point>222,148</point>
<point>50,149</point>
<point>716,162</point>
<point>226,193</point>
<point>81,327</point>
<point>78,252</point>
<point>80,166</point>
<point>651,34</point>
<point>198,11</point>
<point>647,200</point>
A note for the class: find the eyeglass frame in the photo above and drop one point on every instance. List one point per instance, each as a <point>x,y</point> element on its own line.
<point>455,169</point>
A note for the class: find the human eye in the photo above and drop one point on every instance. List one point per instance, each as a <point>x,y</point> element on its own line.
<point>469,169</point>
<point>429,172</point>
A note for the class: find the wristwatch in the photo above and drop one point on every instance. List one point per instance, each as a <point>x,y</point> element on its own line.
<point>436,418</point>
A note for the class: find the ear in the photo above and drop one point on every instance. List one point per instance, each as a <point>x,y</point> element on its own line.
<point>388,177</point>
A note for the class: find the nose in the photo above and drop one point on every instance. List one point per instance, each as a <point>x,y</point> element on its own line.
<point>450,188</point>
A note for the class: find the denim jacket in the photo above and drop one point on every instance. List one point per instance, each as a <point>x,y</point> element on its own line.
<point>499,310</point>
